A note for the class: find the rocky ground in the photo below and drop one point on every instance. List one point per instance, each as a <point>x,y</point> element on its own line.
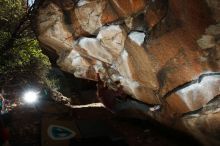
<point>24,123</point>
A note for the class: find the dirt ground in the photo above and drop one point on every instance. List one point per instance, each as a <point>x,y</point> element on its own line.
<point>24,123</point>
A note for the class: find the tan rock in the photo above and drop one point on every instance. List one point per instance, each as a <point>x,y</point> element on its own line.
<point>89,15</point>
<point>53,31</point>
<point>136,76</point>
<point>204,124</point>
<point>112,38</point>
<point>79,65</point>
<point>213,30</point>
<point>206,41</point>
<point>164,68</point>
<point>195,95</point>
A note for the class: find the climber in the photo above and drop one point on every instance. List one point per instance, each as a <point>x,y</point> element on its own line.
<point>108,96</point>
<point>117,101</point>
<point>1,103</point>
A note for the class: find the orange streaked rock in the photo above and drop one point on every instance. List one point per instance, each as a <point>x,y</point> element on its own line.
<point>151,49</point>
<point>126,8</point>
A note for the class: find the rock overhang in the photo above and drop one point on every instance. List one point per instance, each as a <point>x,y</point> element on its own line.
<point>150,47</point>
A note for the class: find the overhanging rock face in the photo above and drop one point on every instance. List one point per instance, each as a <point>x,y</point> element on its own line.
<point>163,52</point>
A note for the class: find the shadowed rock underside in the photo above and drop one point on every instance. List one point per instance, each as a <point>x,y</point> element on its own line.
<point>164,53</point>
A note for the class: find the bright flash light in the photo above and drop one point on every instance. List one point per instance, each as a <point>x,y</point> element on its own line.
<point>30,96</point>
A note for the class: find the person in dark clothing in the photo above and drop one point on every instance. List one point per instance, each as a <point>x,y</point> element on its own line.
<point>108,96</point>
<point>117,101</point>
<point>4,132</point>
<point>1,102</point>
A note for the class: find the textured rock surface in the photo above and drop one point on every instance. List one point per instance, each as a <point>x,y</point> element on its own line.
<point>164,53</point>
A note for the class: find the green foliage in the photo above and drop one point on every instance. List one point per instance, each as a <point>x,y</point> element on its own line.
<point>11,11</point>
<point>25,56</point>
<point>4,36</point>
<point>21,59</point>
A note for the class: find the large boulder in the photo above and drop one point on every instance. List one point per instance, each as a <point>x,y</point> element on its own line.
<point>164,53</point>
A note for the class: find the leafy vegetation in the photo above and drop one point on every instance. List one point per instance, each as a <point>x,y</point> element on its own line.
<point>21,59</point>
